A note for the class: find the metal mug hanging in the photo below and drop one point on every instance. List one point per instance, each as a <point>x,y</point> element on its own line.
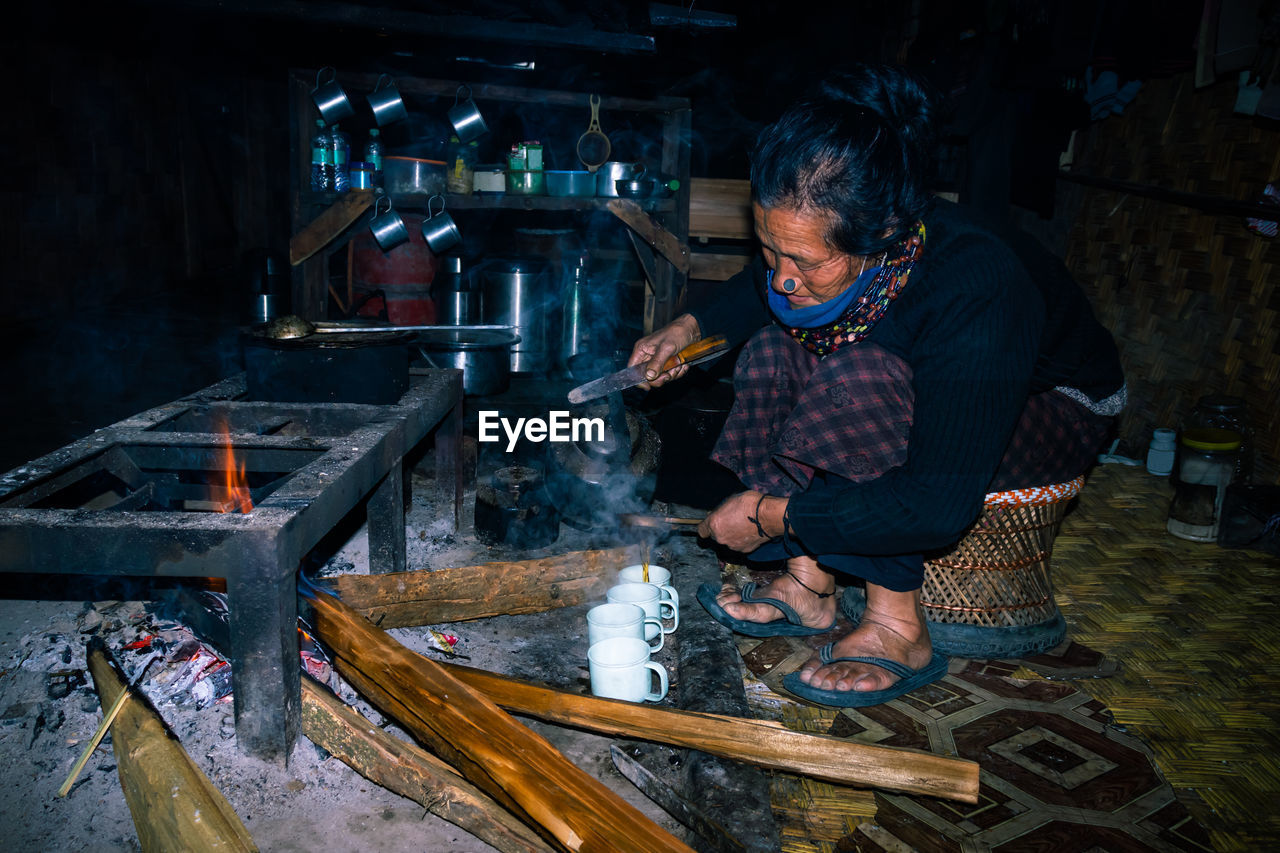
<point>388,227</point>
<point>439,229</point>
<point>386,103</point>
<point>465,117</point>
<point>330,98</point>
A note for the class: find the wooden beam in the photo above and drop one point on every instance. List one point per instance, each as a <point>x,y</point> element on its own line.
<point>760,742</point>
<point>411,772</point>
<point>331,222</point>
<point>1216,205</point>
<point>174,805</point>
<point>399,599</point>
<point>652,232</point>
<point>666,15</point>
<point>391,20</point>
<point>501,756</point>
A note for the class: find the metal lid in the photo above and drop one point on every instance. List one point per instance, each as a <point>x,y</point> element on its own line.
<point>1221,403</point>
<point>454,338</point>
<point>528,266</point>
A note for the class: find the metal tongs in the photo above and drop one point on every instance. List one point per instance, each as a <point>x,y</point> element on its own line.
<point>659,522</point>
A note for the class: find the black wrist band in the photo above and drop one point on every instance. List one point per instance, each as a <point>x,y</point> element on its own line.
<point>756,518</point>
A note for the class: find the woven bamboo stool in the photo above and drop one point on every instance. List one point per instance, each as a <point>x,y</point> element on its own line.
<point>991,595</point>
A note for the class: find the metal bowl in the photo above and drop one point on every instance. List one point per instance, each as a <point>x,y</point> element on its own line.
<point>570,184</point>
<point>634,188</point>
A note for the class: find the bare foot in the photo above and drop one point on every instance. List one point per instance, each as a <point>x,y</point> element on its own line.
<point>892,627</point>
<point>801,572</point>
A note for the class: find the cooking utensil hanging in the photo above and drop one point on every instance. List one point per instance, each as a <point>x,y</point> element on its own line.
<point>593,145</point>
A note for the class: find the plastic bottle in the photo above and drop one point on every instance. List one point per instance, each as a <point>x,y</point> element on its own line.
<point>462,164</point>
<point>341,147</point>
<point>1161,452</point>
<point>373,155</point>
<point>321,159</point>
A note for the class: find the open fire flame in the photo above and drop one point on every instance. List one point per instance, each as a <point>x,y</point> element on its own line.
<point>235,495</point>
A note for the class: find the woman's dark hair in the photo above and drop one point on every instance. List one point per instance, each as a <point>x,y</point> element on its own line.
<point>859,148</point>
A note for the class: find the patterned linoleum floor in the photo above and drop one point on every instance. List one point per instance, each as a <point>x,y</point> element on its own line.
<point>1176,748</point>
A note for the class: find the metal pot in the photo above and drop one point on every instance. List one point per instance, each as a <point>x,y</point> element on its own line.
<point>483,355</point>
<point>608,175</point>
<point>346,367</point>
<point>518,293</point>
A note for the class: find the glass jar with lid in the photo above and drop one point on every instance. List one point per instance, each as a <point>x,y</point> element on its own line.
<point>1206,466</point>
<point>1219,411</point>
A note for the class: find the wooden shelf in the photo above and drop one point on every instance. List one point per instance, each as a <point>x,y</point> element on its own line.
<point>498,201</point>
<point>666,120</point>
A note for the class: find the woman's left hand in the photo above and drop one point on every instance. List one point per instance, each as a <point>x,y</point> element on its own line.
<point>731,524</point>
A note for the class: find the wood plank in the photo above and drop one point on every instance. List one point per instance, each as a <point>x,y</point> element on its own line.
<point>501,756</point>
<point>400,599</point>
<point>174,805</point>
<point>721,208</point>
<point>411,772</point>
<point>712,266</point>
<point>322,230</point>
<point>653,232</point>
<point>760,742</point>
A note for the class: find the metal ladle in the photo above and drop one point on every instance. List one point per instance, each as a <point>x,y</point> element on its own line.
<point>593,146</point>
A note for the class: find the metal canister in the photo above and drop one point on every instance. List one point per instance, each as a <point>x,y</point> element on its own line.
<point>517,292</point>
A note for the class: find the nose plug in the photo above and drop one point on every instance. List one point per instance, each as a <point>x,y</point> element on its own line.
<point>789,286</point>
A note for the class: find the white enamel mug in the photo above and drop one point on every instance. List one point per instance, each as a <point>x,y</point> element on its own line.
<point>649,597</point>
<point>620,669</point>
<point>606,621</point>
<point>658,576</point>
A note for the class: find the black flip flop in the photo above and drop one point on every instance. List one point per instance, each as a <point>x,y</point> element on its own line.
<point>789,626</point>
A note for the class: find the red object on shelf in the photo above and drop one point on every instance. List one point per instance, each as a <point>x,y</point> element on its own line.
<point>395,284</point>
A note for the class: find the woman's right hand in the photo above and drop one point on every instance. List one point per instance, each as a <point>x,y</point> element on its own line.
<point>654,350</point>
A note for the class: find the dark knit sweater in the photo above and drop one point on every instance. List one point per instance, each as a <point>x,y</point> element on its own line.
<point>985,320</point>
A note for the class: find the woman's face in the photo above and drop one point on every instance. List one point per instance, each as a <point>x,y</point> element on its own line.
<point>794,248</point>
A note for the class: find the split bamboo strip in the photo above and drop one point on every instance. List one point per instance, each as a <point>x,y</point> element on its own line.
<point>760,742</point>
<point>411,772</point>
<point>174,805</point>
<point>401,599</point>
<point>490,748</point>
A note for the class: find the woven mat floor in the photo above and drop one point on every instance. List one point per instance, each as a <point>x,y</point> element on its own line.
<point>1183,723</point>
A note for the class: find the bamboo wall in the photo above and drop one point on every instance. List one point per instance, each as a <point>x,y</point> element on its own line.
<point>1191,297</point>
